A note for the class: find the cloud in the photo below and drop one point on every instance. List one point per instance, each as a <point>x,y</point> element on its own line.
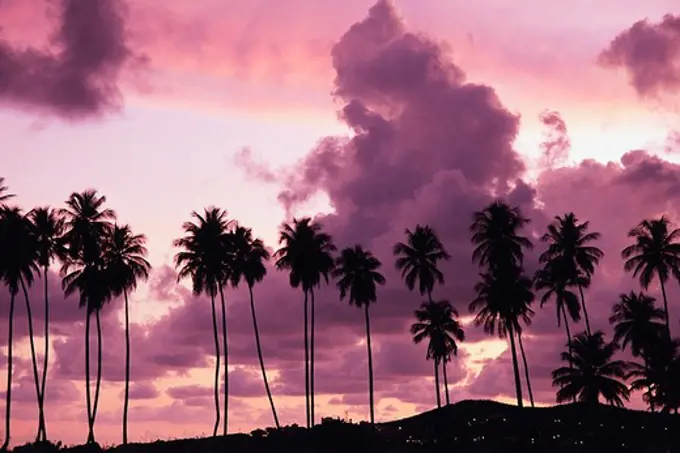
<point>650,54</point>
<point>555,147</point>
<point>78,76</point>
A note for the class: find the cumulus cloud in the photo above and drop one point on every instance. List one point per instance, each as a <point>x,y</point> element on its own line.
<point>556,145</point>
<point>650,53</point>
<point>78,76</point>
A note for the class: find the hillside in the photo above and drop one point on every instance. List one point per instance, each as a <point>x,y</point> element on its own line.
<point>468,426</point>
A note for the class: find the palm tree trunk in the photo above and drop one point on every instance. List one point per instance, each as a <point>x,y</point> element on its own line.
<point>526,369</point>
<point>429,295</point>
<point>306,359</point>
<point>127,369</point>
<point>10,362</point>
<point>34,362</point>
<point>665,308</point>
<point>370,365</point>
<point>446,383</point>
<point>436,382</point>
<point>88,398</point>
<point>311,362</point>
<point>259,355</point>
<point>515,366</point>
<point>46,355</point>
<point>566,326</point>
<point>98,384</point>
<point>216,384</point>
<point>585,310</point>
<point>226,362</point>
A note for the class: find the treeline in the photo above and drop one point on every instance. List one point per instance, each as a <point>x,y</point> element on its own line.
<point>102,261</point>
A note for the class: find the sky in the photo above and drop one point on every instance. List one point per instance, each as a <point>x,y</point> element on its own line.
<point>370,116</point>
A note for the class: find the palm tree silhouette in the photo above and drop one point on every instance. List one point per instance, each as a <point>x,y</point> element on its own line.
<point>498,246</point>
<point>203,258</point>
<point>568,243</point>
<point>593,374</point>
<point>49,229</point>
<point>18,251</point>
<point>655,252</point>
<point>307,255</point>
<point>502,304</point>
<point>436,321</point>
<point>555,283</point>
<point>247,263</point>
<point>417,259</point>
<point>87,224</point>
<point>637,322</point>
<point>4,194</point>
<point>124,255</point>
<point>357,273</point>
<point>659,377</point>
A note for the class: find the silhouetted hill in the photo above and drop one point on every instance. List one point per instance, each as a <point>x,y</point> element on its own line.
<point>468,426</point>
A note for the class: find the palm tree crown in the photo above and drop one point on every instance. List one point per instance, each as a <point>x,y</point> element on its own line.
<point>124,255</point>
<point>637,322</point>
<point>495,235</point>
<point>49,228</point>
<point>18,249</point>
<point>203,251</point>
<point>306,253</point>
<point>4,194</point>
<point>655,251</point>
<point>417,258</point>
<point>357,271</point>
<point>87,224</point>
<point>436,322</point>
<point>593,373</point>
<point>248,256</point>
<point>555,283</point>
<point>568,241</point>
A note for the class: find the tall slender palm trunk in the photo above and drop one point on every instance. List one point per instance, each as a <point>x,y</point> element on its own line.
<point>226,362</point>
<point>306,358</point>
<point>515,366</point>
<point>216,384</point>
<point>34,362</point>
<point>98,384</point>
<point>446,383</point>
<point>127,368</point>
<point>88,397</point>
<point>665,308</point>
<point>370,365</point>
<point>566,326</point>
<point>585,310</point>
<point>259,355</point>
<point>311,363</point>
<point>10,362</point>
<point>436,382</point>
<point>526,368</point>
<point>46,355</point>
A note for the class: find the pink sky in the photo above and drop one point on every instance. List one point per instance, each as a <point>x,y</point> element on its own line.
<point>442,98</point>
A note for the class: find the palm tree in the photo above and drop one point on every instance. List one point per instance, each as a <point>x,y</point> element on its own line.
<point>202,258</point>
<point>125,257</point>
<point>358,275</point>
<point>659,377</point>
<point>498,245</point>
<point>502,305</point>
<point>436,321</point>
<point>568,242</point>
<point>87,224</point>
<point>18,250</point>
<point>4,194</point>
<point>307,253</point>
<point>593,374</point>
<point>655,252</point>
<point>247,263</point>
<point>417,259</point>
<point>637,322</point>
<point>49,228</point>
<point>555,283</point>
